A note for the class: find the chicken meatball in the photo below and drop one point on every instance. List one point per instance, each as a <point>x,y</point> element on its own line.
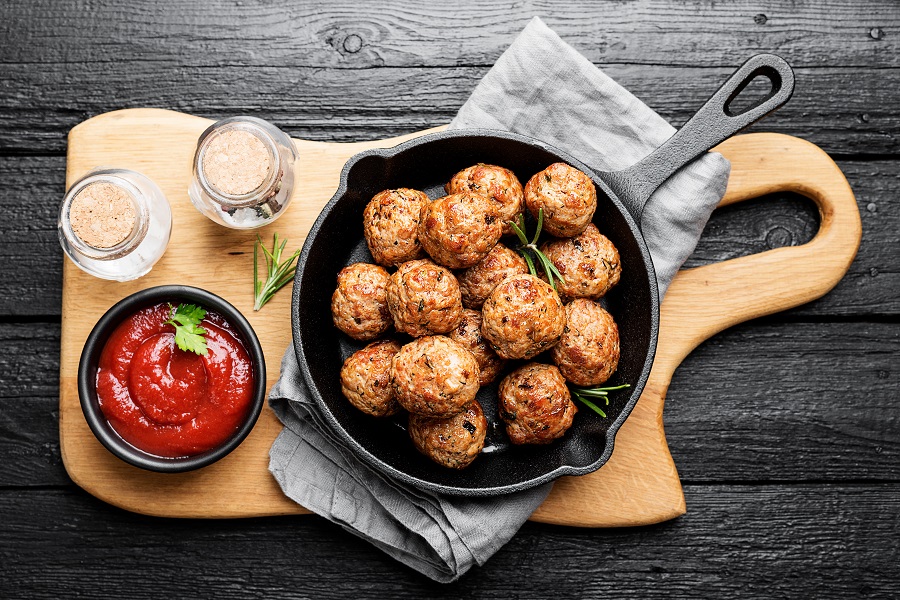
<point>497,183</point>
<point>567,196</point>
<point>478,281</point>
<point>424,298</point>
<point>359,304</point>
<point>391,223</point>
<point>535,404</point>
<point>434,376</point>
<point>468,334</point>
<point>522,317</point>
<point>459,230</point>
<point>366,379</point>
<point>588,352</point>
<point>452,442</point>
<point>589,262</point>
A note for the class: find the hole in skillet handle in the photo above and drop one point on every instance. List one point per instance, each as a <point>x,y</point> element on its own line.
<point>752,92</point>
<point>714,123</point>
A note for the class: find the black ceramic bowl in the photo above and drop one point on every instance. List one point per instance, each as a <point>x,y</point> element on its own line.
<point>90,356</point>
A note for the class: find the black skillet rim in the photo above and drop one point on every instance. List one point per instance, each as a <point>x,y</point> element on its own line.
<point>419,483</point>
<point>87,374</point>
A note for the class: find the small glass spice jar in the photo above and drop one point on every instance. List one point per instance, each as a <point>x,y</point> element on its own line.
<point>243,172</point>
<point>114,224</point>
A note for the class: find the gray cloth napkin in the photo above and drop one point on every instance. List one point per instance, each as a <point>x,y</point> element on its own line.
<point>543,88</point>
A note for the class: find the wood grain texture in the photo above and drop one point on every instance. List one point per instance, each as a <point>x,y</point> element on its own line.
<point>789,402</point>
<point>29,247</point>
<point>809,541</point>
<point>640,478</point>
<point>846,109</point>
<point>415,33</point>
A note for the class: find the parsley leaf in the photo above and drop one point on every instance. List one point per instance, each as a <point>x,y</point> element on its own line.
<point>186,319</point>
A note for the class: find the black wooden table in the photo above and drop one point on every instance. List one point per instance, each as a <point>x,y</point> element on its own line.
<point>786,430</point>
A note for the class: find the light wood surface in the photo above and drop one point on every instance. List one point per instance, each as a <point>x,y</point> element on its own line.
<point>640,481</point>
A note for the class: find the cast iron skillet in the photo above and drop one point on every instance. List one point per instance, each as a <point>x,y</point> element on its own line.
<point>426,163</point>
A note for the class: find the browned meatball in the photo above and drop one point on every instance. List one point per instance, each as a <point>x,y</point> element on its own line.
<point>468,334</point>
<point>535,404</point>
<point>588,352</point>
<point>391,223</point>
<point>478,281</point>
<point>366,379</point>
<point>522,317</point>
<point>453,442</point>
<point>424,298</point>
<point>359,304</point>
<point>434,376</point>
<point>460,229</point>
<point>589,262</point>
<point>497,183</point>
<point>567,196</point>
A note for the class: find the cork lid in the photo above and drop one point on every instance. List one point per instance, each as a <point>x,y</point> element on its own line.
<point>236,162</point>
<point>102,215</point>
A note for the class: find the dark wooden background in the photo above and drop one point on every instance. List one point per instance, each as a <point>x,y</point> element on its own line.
<point>786,430</point>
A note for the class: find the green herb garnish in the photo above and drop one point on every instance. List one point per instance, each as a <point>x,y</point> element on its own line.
<point>186,319</point>
<point>279,272</point>
<point>586,395</point>
<point>527,248</point>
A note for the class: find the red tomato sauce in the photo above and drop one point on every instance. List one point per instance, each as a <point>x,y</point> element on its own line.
<point>168,402</point>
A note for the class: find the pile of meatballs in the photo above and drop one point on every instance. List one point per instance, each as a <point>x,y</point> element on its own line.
<point>470,305</point>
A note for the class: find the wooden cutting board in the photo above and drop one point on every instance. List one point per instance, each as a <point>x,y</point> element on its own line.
<point>638,486</point>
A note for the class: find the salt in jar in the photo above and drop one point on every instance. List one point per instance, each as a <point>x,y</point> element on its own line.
<point>243,172</point>
<point>114,224</point>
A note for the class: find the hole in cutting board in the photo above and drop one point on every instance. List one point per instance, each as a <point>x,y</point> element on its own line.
<point>753,226</point>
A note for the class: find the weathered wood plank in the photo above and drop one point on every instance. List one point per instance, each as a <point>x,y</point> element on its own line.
<point>767,401</point>
<point>31,260</point>
<point>29,404</point>
<point>30,254</point>
<point>788,401</point>
<point>834,541</point>
<point>846,110</point>
<point>421,33</point>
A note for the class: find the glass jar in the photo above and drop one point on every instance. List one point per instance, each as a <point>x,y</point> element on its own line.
<point>243,172</point>
<point>114,224</point>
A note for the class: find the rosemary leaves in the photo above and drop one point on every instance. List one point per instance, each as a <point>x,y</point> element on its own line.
<point>528,248</point>
<point>588,396</point>
<point>278,272</point>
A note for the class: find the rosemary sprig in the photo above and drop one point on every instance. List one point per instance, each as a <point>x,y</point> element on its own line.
<point>528,248</point>
<point>278,272</point>
<point>586,395</point>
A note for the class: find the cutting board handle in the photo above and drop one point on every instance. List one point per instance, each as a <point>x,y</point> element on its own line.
<point>714,297</point>
<point>703,301</point>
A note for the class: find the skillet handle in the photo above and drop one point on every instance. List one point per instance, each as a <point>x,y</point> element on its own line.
<point>714,123</point>
<point>705,300</point>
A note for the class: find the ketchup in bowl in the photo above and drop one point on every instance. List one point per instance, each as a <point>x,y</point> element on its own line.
<point>169,402</point>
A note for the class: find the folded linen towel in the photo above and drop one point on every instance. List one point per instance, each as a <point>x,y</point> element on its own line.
<point>543,88</point>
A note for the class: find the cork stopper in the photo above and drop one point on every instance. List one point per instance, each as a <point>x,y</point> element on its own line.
<point>236,162</point>
<point>102,215</point>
